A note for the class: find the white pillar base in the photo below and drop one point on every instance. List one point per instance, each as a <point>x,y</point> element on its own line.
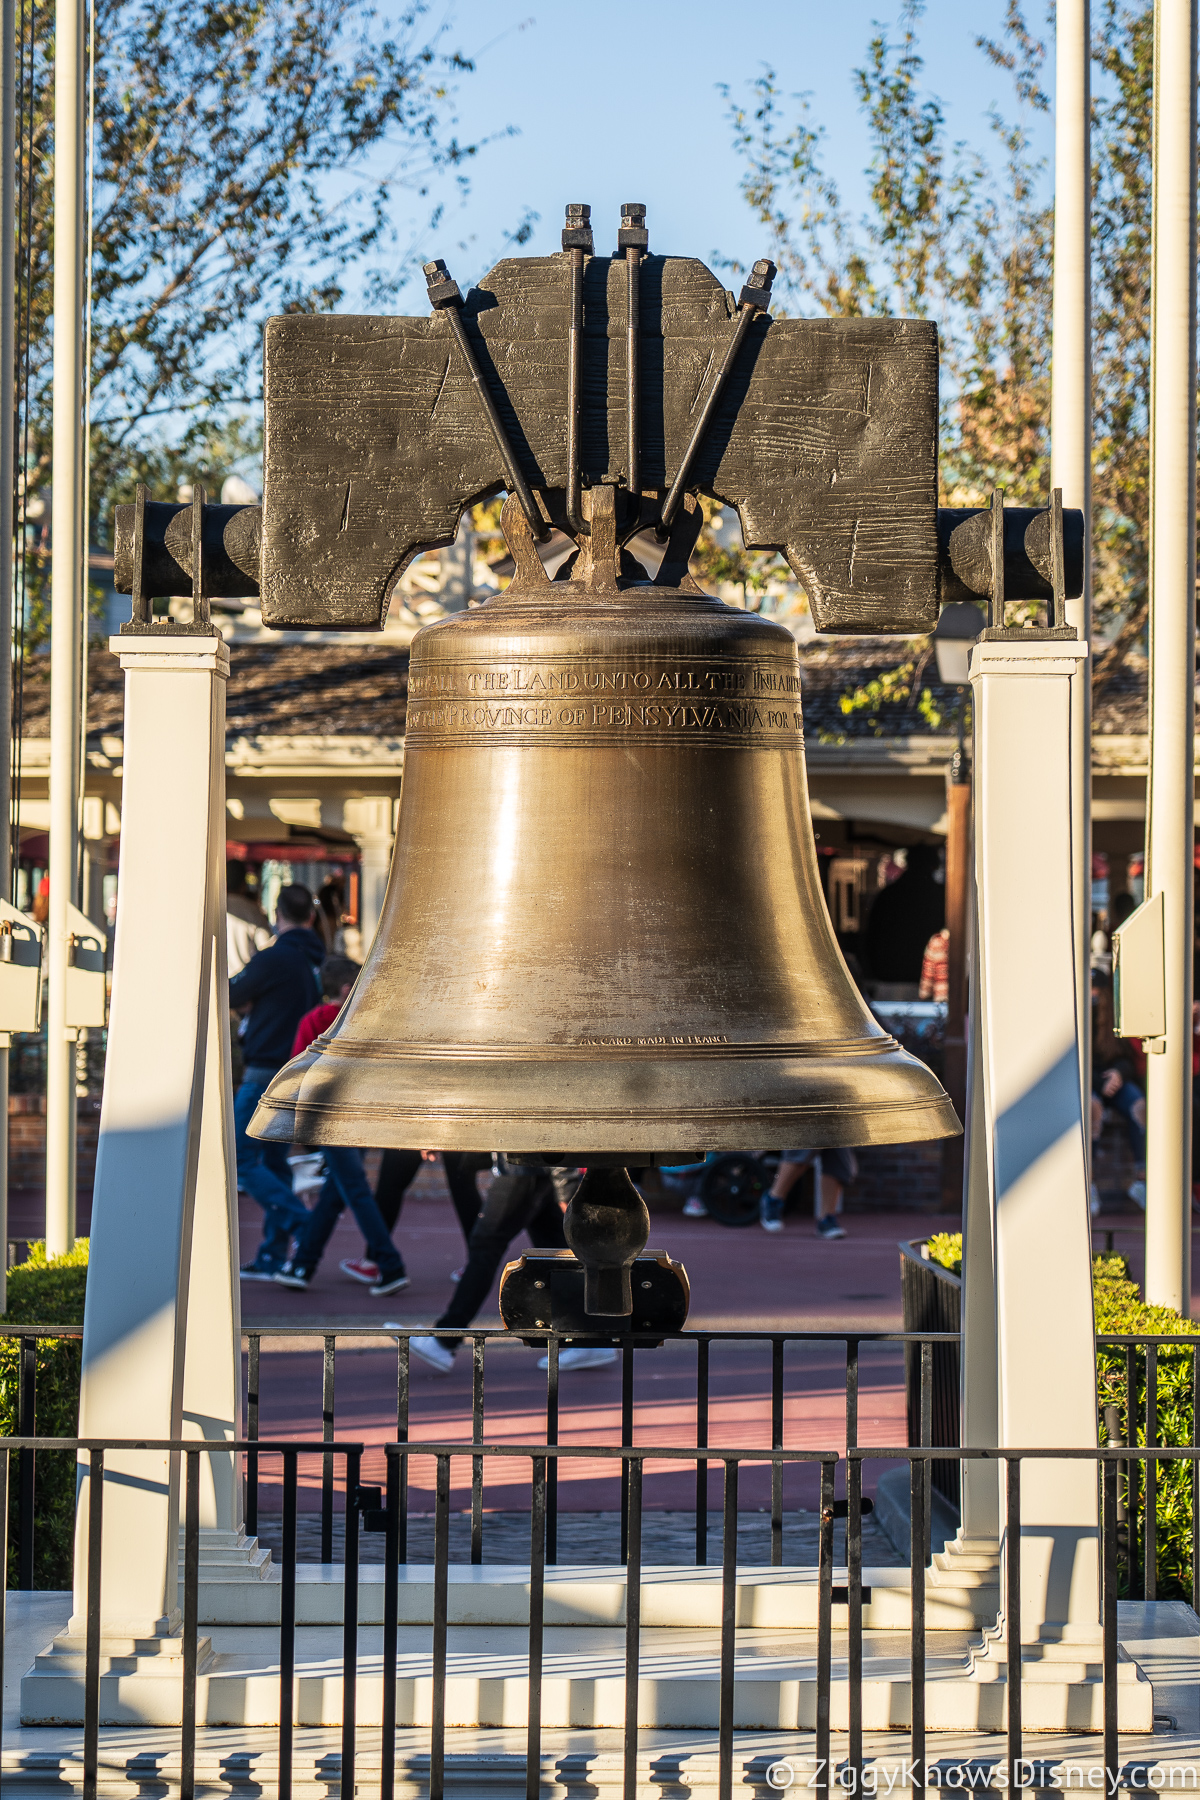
<point>1062,1679</point>
<point>141,1680</point>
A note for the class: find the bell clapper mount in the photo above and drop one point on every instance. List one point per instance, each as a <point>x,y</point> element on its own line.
<point>607,1226</point>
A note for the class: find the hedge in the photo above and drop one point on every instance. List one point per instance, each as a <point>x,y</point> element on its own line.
<point>45,1291</point>
<point>1121,1312</point>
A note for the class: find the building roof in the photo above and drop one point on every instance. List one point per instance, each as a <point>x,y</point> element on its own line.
<point>359,688</point>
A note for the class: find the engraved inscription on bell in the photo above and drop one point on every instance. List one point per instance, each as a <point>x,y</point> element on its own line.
<point>751,702</point>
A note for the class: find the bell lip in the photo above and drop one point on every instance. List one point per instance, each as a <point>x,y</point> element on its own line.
<point>377,1050</point>
<point>319,1098</point>
<point>753,1128</point>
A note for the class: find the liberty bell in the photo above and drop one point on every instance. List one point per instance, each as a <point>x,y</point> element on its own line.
<point>604,940</point>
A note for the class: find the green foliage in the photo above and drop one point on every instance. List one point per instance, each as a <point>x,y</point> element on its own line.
<point>966,239</point>
<point>896,687</point>
<point>252,157</point>
<point>46,1291</point>
<point>1121,1312</point>
<point>945,1248</point>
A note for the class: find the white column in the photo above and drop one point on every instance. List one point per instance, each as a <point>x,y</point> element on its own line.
<point>1071,427</point>
<point>65,614</point>
<point>980,1396</point>
<point>212,1364</point>
<point>371,822</point>
<point>1169,802</point>
<point>1035,1125</point>
<point>135,1320</point>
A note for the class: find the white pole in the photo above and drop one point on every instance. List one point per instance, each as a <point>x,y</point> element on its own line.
<point>1071,434</point>
<point>8,301</point>
<point>65,602</point>
<point>1170,793</point>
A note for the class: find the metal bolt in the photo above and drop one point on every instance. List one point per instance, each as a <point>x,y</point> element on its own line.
<point>645,1284</point>
<point>539,1284</point>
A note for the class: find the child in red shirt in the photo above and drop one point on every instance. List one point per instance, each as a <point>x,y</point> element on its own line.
<point>345,1181</point>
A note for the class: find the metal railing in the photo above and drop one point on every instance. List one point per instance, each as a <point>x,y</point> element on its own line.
<point>1108,1461</point>
<point>848,1775</point>
<point>630,1348</point>
<point>540,1457</point>
<point>1133,1416</point>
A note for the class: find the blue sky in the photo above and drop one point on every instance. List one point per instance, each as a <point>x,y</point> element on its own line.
<point>619,101</point>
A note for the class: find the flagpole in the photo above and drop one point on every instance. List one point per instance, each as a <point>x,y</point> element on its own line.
<point>65,613</point>
<point>1170,798</point>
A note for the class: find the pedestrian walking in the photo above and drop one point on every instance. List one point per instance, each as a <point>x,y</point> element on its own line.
<point>396,1175</point>
<point>247,927</point>
<point>521,1198</point>
<point>834,1171</point>
<point>345,1183</point>
<point>275,990</point>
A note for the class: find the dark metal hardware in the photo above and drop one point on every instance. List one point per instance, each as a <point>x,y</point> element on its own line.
<point>445,297</point>
<point>754,298</point>
<point>138,561</point>
<point>634,240</point>
<point>1045,554</point>
<point>577,243</point>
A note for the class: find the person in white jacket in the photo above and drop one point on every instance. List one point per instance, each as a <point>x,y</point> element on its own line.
<point>247,927</point>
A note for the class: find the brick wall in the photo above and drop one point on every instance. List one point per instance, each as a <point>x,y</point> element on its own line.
<point>27,1140</point>
<point>897,1178</point>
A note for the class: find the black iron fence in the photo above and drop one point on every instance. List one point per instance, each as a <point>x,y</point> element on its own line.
<point>386,1510</point>
<point>1150,1387</point>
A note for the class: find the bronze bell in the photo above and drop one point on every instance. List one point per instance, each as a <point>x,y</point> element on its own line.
<point>604,936</point>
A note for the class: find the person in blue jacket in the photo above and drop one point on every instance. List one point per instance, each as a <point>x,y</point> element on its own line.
<point>275,990</point>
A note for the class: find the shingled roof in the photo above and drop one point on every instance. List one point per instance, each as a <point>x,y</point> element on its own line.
<point>361,687</point>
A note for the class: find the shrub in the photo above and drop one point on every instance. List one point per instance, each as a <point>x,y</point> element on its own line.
<point>945,1247</point>
<point>1121,1312</point>
<point>46,1291</point>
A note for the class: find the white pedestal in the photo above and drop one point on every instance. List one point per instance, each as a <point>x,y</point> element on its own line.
<point>164,1214</point>
<point>1028,1236</point>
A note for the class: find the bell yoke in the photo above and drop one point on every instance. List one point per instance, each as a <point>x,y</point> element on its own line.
<point>604,940</point>
<point>633,956</point>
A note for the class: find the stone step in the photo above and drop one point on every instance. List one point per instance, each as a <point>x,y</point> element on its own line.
<point>583,1683</point>
<point>498,1594</point>
<point>586,1770</point>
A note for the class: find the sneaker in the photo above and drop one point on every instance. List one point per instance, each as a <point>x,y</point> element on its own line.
<point>390,1284</point>
<point>439,1356</point>
<point>1137,1193</point>
<point>256,1271</point>
<point>829,1228</point>
<point>694,1207</point>
<point>293,1276</point>
<point>359,1269</point>
<point>582,1356</point>
<point>770,1213</point>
